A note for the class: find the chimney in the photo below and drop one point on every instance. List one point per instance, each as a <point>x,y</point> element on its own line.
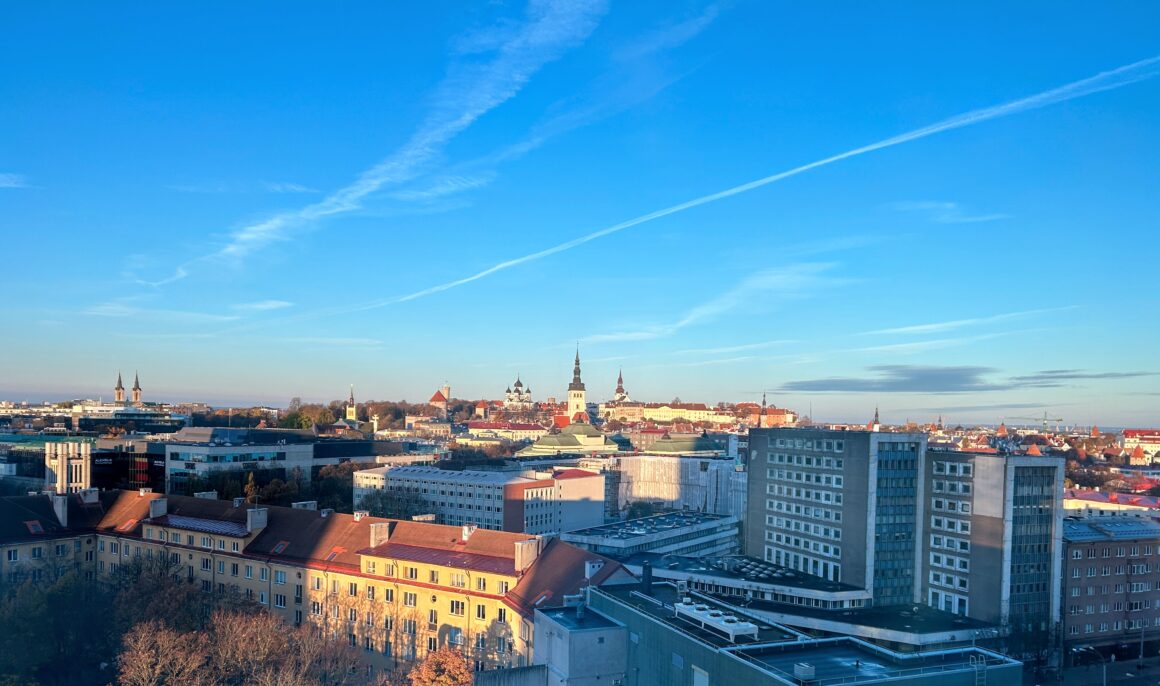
<point>380,533</point>
<point>142,491</point>
<point>591,567</point>
<point>206,495</point>
<point>305,505</point>
<point>60,507</point>
<point>158,507</point>
<point>326,511</point>
<point>646,578</point>
<point>89,496</point>
<point>256,519</point>
<point>526,553</point>
<point>466,532</point>
<point>238,502</point>
<point>360,515</point>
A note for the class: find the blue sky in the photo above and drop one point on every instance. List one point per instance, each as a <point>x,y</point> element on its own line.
<point>248,203</point>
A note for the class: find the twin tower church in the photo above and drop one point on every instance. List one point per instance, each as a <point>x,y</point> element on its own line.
<point>119,390</point>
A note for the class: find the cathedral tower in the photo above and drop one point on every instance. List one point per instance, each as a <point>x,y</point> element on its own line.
<point>577,398</point>
<point>119,390</point>
<point>136,389</point>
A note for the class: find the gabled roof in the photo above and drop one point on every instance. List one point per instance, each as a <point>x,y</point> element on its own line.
<point>438,397</point>
<point>28,518</point>
<point>559,571</point>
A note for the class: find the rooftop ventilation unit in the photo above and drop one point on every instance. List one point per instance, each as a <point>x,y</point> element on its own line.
<point>715,620</point>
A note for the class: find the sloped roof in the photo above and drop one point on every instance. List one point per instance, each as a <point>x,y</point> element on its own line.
<point>438,398</point>
<point>28,518</point>
<point>559,571</point>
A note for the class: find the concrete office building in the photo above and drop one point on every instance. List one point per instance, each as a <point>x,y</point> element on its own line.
<point>550,502</point>
<point>841,505</point>
<point>992,541</point>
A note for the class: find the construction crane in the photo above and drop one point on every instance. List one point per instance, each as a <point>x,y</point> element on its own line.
<point>1045,419</point>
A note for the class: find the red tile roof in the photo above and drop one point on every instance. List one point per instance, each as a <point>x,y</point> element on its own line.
<point>573,474</point>
<point>559,571</point>
<point>446,558</point>
<point>438,397</point>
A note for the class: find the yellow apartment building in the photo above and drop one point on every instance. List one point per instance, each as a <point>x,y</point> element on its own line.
<point>396,589</point>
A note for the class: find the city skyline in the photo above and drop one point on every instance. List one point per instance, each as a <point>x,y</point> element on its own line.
<point>723,200</point>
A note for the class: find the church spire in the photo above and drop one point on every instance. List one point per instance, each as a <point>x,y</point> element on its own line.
<point>136,389</point>
<point>761,417</point>
<point>352,394</point>
<point>120,386</point>
<point>577,384</point>
<point>119,390</point>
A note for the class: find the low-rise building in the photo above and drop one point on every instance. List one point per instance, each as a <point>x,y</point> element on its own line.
<point>547,502</point>
<point>1111,591</point>
<point>398,589</point>
<point>672,533</point>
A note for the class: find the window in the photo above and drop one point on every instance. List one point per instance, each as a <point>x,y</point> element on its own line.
<point>481,612</point>
<point>316,608</point>
<point>14,555</point>
<point>262,597</point>
<point>353,588</point>
<point>410,599</point>
<point>411,572</point>
<point>503,588</point>
<point>434,576</point>
<point>205,564</point>
<point>233,569</point>
<point>221,567</point>
<point>481,584</point>
<point>279,600</point>
<point>501,615</point>
<point>458,607</point>
<point>388,595</point>
<point>370,592</point>
<point>432,644</point>
<point>263,574</point>
<point>249,571</point>
<point>279,577</point>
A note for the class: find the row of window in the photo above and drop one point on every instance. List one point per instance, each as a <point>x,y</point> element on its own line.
<point>962,564</point>
<point>1106,570</point>
<point>961,526</point>
<point>953,468</point>
<point>456,580</point>
<point>37,552</point>
<point>803,510</point>
<point>806,528</point>
<point>804,494</point>
<point>805,477</point>
<point>1106,552</point>
<point>956,487</point>
<point>940,505</point>
<point>805,460</point>
<point>1117,625</point>
<point>803,544</point>
<point>825,444</point>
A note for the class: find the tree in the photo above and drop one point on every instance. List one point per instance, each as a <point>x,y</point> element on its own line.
<point>156,655</point>
<point>251,489</point>
<point>402,504</point>
<point>444,667</point>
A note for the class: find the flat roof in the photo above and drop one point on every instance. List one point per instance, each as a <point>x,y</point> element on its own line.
<point>912,619</point>
<point>654,524</point>
<point>660,602</point>
<point>846,660</point>
<point>1110,529</point>
<point>738,568</point>
<point>588,619</point>
<point>467,476</point>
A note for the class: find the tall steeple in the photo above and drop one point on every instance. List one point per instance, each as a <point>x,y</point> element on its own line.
<point>761,417</point>
<point>577,397</point>
<point>351,408</point>
<point>119,390</point>
<point>136,389</point>
<point>577,384</point>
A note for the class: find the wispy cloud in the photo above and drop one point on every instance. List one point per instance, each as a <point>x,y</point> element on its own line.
<point>262,306</point>
<point>469,91</point>
<point>282,187</point>
<point>1054,378</point>
<point>124,310</point>
<point>946,212</point>
<point>989,408</point>
<point>668,37</point>
<point>734,348</point>
<point>922,346</point>
<point>445,185</point>
<point>9,180</point>
<point>785,283</point>
<point>1104,81</point>
<point>904,379</point>
<point>337,341</point>
<point>938,327</point>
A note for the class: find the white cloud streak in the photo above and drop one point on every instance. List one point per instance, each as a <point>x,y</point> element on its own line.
<point>263,306</point>
<point>947,212</point>
<point>1104,81</point>
<point>13,181</point>
<point>784,283</point>
<point>470,91</point>
<point>937,327</point>
<point>444,185</point>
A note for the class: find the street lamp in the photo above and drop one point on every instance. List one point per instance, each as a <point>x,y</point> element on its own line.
<point>1093,651</point>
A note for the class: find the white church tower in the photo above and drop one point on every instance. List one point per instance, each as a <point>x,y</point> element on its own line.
<point>577,398</point>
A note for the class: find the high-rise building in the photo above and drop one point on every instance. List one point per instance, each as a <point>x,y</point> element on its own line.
<point>841,505</point>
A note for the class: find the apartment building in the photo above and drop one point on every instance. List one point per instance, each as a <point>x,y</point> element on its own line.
<point>992,540</point>
<point>545,502</point>
<point>397,589</point>
<point>840,505</point>
<point>1111,587</point>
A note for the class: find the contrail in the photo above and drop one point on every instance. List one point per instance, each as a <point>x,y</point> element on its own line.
<point>1104,81</point>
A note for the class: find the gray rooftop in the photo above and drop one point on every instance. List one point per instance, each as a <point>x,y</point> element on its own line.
<point>587,619</point>
<point>913,619</point>
<point>847,661</point>
<point>652,525</point>
<point>739,568</point>
<point>1110,529</point>
<point>663,597</point>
